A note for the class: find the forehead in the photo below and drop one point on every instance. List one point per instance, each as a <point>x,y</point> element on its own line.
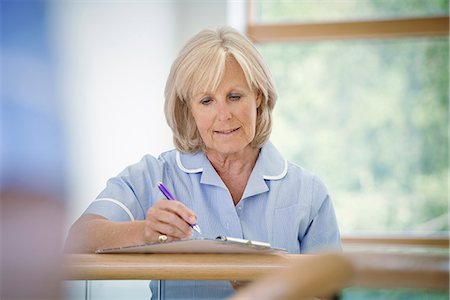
<point>233,72</point>
<point>229,76</point>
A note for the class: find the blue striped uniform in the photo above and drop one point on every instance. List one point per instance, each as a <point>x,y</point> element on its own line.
<point>283,204</point>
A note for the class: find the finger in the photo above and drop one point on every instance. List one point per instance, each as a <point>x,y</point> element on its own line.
<point>178,208</point>
<point>152,236</point>
<point>171,229</point>
<point>157,214</point>
<point>173,219</point>
<point>166,211</point>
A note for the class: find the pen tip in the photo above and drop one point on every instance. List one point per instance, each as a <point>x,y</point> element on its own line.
<point>197,228</point>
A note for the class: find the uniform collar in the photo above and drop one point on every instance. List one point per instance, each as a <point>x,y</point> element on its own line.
<point>274,165</point>
<point>199,163</point>
<point>270,165</point>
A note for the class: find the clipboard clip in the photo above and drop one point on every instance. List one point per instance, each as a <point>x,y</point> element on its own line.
<point>243,241</point>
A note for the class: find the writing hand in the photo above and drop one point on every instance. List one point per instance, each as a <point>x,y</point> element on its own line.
<point>170,218</point>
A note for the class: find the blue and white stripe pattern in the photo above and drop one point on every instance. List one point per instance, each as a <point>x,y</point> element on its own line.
<point>283,204</point>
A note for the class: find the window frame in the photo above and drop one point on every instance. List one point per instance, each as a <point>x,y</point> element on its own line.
<point>261,32</point>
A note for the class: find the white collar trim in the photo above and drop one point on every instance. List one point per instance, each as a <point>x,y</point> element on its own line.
<point>198,170</point>
<point>279,176</point>
<point>183,168</point>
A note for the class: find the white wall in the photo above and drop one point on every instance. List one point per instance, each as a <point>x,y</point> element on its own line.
<point>194,15</point>
<point>113,58</point>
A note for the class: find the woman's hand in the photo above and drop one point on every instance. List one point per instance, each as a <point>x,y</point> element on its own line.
<point>170,218</point>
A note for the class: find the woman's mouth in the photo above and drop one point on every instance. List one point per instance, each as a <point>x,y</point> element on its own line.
<point>225,132</point>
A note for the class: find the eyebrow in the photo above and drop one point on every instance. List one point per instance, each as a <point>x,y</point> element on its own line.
<point>237,87</point>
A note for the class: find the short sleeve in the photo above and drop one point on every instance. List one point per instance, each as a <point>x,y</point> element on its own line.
<point>128,196</point>
<point>323,232</point>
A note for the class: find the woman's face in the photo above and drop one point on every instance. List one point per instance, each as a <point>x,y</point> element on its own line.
<point>226,119</point>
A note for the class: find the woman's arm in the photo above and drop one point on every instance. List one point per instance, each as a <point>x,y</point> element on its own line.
<point>91,232</point>
<point>323,231</point>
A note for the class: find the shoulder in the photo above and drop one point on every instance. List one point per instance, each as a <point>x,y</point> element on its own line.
<point>306,179</point>
<point>298,184</point>
<point>288,173</point>
<point>167,163</point>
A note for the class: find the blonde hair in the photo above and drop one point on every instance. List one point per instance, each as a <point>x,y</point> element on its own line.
<point>199,68</point>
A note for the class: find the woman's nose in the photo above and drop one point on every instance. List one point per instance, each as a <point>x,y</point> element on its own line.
<point>224,112</point>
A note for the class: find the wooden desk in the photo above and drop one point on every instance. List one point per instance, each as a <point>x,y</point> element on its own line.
<point>373,270</point>
<point>174,266</point>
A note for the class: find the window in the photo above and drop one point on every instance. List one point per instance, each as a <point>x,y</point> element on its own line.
<point>333,10</point>
<point>369,116</point>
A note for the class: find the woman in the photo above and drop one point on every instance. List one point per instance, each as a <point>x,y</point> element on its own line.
<point>225,174</point>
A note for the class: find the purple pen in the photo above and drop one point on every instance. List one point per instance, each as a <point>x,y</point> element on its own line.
<point>169,196</point>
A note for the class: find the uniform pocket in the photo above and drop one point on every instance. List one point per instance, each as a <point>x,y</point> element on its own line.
<point>287,222</point>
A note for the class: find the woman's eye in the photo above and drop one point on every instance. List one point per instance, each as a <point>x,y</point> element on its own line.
<point>234,97</point>
<point>205,101</point>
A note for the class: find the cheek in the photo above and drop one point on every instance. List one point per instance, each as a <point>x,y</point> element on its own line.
<point>250,116</point>
<point>202,121</point>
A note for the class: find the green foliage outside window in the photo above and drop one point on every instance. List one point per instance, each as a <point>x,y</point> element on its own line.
<point>272,11</point>
<point>370,117</point>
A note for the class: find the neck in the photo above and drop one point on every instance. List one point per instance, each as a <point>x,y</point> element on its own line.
<point>234,169</point>
<point>235,163</point>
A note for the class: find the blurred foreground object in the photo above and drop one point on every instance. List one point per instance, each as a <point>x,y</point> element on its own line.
<point>317,276</point>
<point>326,275</point>
<point>31,237</point>
<point>31,157</point>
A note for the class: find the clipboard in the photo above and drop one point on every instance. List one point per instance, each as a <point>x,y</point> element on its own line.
<point>219,245</point>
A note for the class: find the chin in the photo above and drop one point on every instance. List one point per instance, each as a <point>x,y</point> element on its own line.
<point>230,149</point>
